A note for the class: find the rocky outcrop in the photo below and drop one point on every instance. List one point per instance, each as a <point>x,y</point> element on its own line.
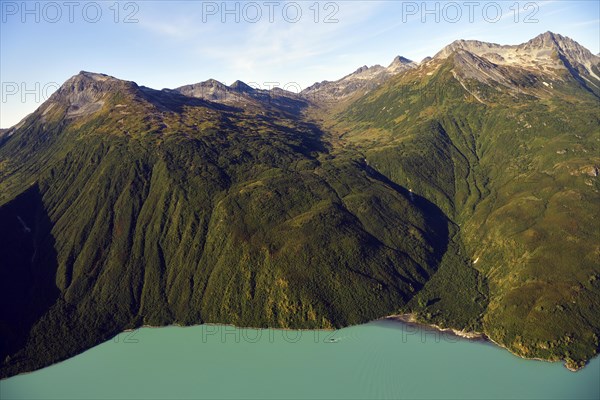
<point>362,80</point>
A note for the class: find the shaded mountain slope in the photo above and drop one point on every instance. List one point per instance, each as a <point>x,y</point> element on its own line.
<point>164,209</point>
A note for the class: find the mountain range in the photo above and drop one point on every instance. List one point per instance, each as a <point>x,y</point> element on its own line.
<point>462,189</point>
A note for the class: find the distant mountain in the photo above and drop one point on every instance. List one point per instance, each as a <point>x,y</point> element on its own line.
<point>462,189</point>
<point>211,90</point>
<point>400,64</point>
<point>241,94</point>
<point>360,81</point>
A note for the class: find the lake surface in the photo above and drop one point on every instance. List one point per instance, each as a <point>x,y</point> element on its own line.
<point>383,359</point>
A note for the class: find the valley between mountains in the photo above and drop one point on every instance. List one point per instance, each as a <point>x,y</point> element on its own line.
<point>462,189</point>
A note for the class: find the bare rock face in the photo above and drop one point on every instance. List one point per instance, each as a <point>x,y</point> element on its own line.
<point>211,90</point>
<point>242,94</point>
<point>362,80</point>
<point>400,64</point>
<point>532,68</point>
<point>591,170</point>
<point>566,46</point>
<point>241,87</point>
<point>549,52</point>
<point>86,92</point>
<point>472,66</point>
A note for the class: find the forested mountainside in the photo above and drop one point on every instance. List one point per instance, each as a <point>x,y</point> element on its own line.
<point>463,189</point>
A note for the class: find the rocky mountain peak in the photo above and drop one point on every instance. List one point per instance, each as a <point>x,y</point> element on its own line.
<point>400,64</point>
<point>210,89</point>
<point>401,60</point>
<point>548,52</point>
<point>363,79</point>
<point>213,83</point>
<point>241,87</point>
<point>472,46</point>
<point>86,81</point>
<point>548,40</point>
<point>563,46</point>
<point>555,42</point>
<point>86,92</point>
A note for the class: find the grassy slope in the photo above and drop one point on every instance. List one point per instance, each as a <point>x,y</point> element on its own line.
<point>516,174</point>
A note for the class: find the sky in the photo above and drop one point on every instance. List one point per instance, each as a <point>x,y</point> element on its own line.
<point>290,44</point>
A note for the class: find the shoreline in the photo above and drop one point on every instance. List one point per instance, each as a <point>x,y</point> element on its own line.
<point>235,326</point>
<point>412,319</point>
<point>407,318</point>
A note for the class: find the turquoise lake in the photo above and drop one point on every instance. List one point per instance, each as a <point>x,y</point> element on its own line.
<point>383,359</point>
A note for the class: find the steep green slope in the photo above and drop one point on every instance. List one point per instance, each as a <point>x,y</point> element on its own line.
<point>154,208</point>
<point>517,171</point>
<point>461,190</point>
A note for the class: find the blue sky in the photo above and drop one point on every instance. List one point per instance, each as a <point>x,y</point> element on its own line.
<point>289,44</point>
